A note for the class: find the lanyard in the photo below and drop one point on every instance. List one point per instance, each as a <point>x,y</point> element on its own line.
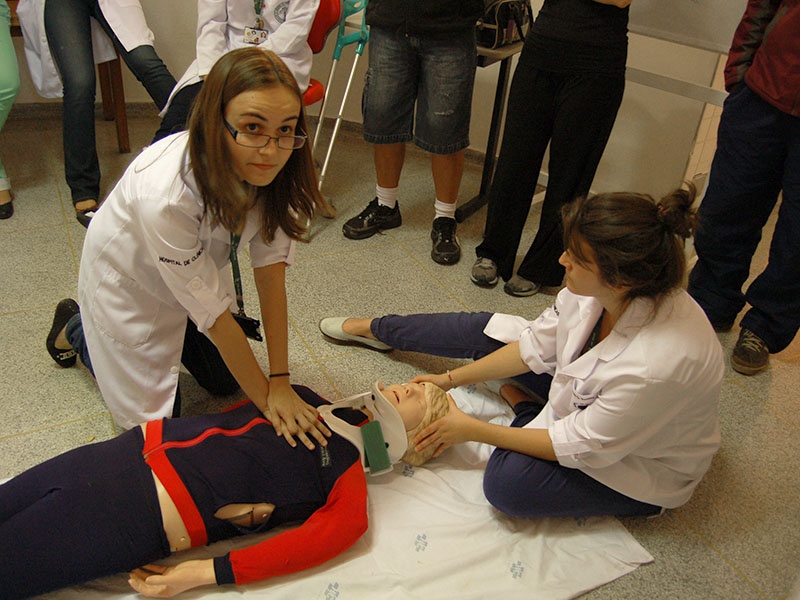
<point>237,276</point>
<point>258,6</point>
<point>592,341</point>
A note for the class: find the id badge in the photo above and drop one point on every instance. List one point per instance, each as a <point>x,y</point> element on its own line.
<point>254,35</point>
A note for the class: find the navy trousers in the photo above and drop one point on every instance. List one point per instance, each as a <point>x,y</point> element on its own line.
<point>757,158</point>
<point>81,515</point>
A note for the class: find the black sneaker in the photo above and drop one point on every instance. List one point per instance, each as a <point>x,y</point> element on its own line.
<point>446,249</point>
<point>750,354</point>
<point>371,220</point>
<point>65,310</point>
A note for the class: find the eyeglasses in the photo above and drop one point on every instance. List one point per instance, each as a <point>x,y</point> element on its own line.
<point>260,140</point>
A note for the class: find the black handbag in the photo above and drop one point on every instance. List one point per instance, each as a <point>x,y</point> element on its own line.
<point>503,22</point>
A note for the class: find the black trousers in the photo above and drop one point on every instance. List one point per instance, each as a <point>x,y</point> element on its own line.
<point>574,113</point>
<point>202,359</point>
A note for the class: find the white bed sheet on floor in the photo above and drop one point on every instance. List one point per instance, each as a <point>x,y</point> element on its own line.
<point>432,534</point>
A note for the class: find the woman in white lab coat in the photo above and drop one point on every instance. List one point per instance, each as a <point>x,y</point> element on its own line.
<point>159,253</point>
<point>633,368</point>
<point>281,26</point>
<point>61,51</point>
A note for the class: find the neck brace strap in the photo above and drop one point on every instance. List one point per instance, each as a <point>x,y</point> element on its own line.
<point>381,442</point>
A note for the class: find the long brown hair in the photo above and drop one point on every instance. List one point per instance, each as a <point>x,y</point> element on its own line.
<point>289,201</point>
<point>636,242</point>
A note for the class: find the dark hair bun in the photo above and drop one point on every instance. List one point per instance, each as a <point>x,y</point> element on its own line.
<point>675,211</point>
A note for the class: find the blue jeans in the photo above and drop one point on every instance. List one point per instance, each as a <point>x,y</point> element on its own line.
<point>68,31</point>
<point>514,483</point>
<point>434,75</point>
<point>757,158</point>
<point>9,78</point>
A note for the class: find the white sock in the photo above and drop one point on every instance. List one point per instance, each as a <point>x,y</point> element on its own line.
<point>387,196</point>
<point>444,209</point>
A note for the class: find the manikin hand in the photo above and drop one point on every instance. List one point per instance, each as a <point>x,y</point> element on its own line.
<point>157,581</point>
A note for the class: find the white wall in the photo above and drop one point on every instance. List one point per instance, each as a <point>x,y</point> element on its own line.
<point>648,150</point>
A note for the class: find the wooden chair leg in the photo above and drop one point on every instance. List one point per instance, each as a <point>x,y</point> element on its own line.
<point>121,116</point>
<point>113,93</point>
<point>104,75</point>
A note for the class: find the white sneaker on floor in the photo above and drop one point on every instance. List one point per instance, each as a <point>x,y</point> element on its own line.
<point>331,328</point>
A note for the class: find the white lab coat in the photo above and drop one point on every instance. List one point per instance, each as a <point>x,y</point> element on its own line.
<point>638,412</point>
<point>220,29</point>
<point>150,259</point>
<point>125,17</point>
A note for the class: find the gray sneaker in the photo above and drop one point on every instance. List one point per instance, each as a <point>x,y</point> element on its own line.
<point>519,286</point>
<point>750,354</point>
<point>484,272</point>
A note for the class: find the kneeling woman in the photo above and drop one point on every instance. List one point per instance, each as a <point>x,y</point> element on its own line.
<point>173,484</point>
<point>633,370</point>
<point>155,276</point>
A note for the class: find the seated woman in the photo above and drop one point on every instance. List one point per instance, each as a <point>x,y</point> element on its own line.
<point>633,367</point>
<point>173,484</point>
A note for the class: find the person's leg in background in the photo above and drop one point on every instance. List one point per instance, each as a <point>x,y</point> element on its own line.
<point>387,103</point>
<point>177,114</point>
<point>144,63</point>
<point>528,127</point>
<point>9,90</point>
<point>69,36</point>
<point>444,106</point>
<point>744,183</point>
<point>591,100</point>
<point>774,295</point>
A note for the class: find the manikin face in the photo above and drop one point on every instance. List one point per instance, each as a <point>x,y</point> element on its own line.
<point>409,399</point>
<point>272,111</point>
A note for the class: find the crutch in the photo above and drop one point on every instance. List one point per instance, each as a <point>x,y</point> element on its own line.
<point>360,38</point>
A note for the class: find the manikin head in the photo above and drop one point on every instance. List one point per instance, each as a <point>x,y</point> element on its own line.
<point>402,410</point>
<point>419,405</point>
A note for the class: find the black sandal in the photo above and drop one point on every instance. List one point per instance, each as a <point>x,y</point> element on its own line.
<point>7,209</point>
<point>85,216</point>
<point>65,310</point>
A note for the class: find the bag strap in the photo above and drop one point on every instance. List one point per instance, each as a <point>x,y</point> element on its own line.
<point>519,16</point>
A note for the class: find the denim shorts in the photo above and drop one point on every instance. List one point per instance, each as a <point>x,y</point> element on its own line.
<point>436,75</point>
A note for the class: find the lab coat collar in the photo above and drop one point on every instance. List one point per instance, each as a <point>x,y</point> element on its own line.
<point>638,314</point>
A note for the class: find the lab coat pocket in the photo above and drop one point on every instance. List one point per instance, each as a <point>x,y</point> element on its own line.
<point>582,396</point>
<point>123,310</point>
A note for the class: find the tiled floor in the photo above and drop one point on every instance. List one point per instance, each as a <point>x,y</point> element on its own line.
<point>739,537</point>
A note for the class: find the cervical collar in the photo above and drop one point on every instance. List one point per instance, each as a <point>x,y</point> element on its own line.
<point>381,442</point>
